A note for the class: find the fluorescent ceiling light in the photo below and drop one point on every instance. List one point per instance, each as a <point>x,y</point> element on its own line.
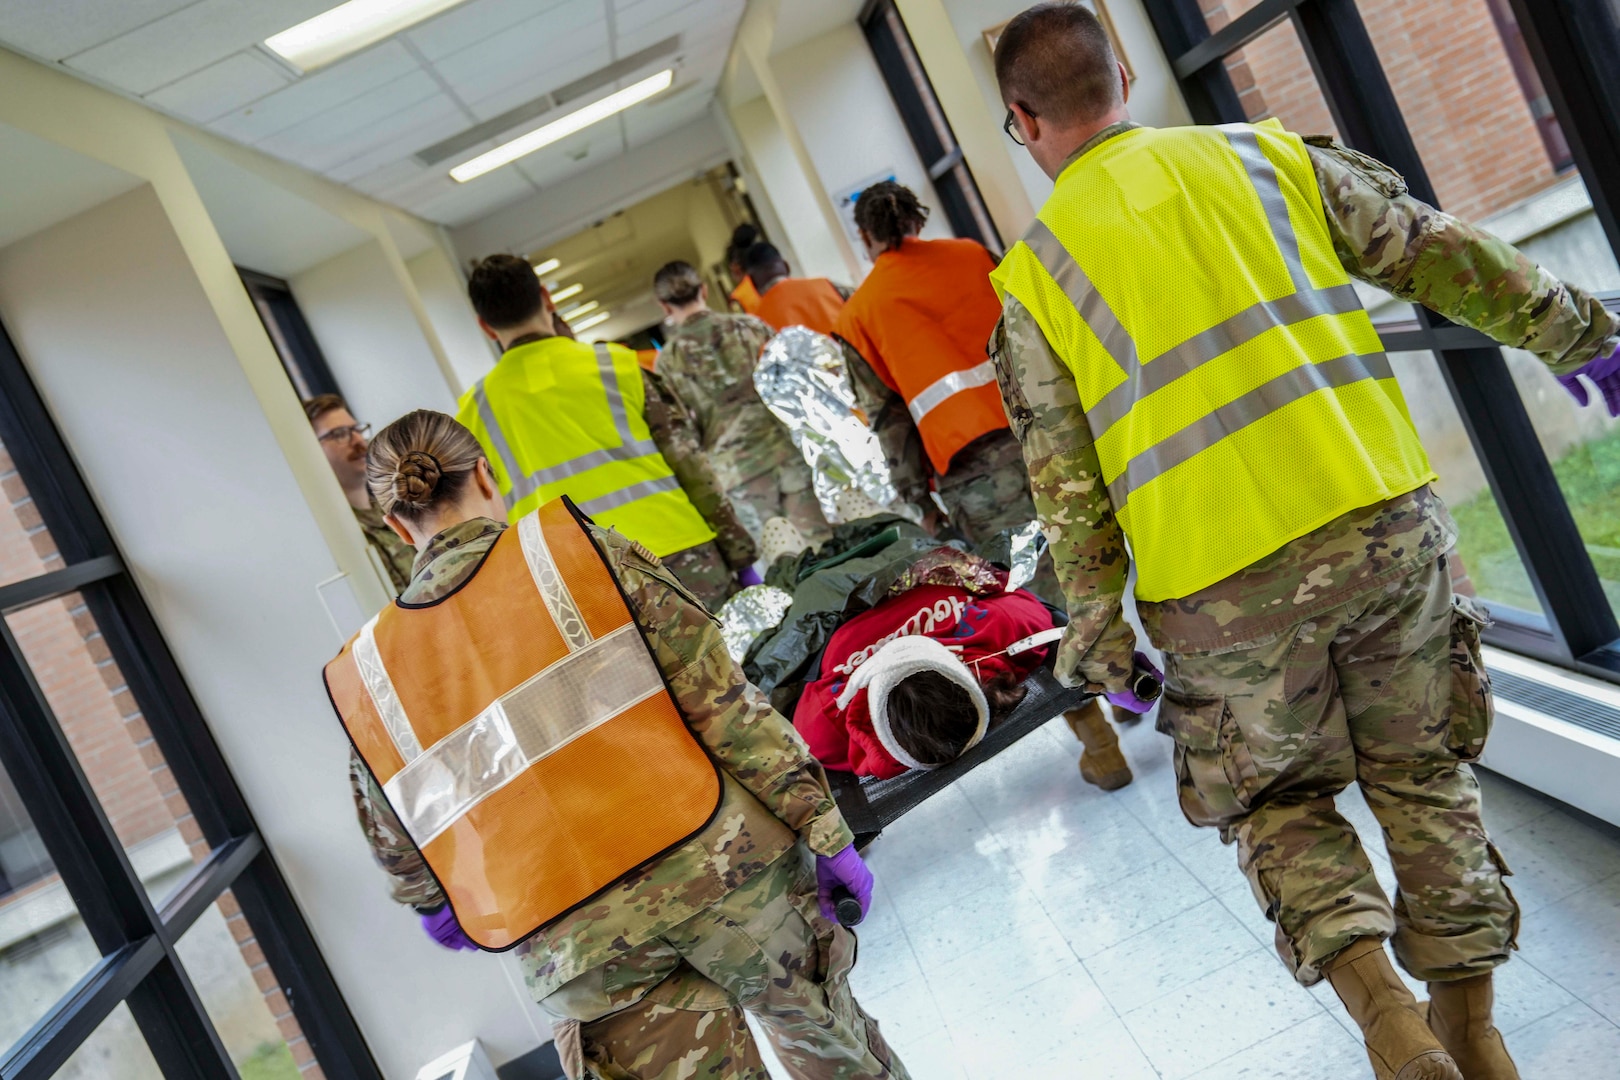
<point>563,294</point>
<point>581,309</point>
<point>575,121</point>
<point>348,28</point>
<point>547,267</point>
<point>595,320</point>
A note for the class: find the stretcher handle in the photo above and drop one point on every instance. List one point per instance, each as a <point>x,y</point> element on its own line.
<point>846,907</point>
<point>1146,685</point>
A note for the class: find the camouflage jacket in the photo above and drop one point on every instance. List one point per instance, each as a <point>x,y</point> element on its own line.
<point>397,556</point>
<point>678,440</point>
<point>890,420</point>
<point>1384,237</point>
<point>708,365</point>
<point>774,792</point>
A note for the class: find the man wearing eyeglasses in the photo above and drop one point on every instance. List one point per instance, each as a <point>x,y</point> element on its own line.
<point>344,441</point>
<point>1186,361</point>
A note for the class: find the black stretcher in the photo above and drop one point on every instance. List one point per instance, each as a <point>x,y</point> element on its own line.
<point>870,805</point>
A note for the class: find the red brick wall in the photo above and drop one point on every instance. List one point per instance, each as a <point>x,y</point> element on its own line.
<point>98,713</point>
<point>1451,74</point>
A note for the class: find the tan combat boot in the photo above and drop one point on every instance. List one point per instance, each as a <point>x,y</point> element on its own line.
<point>1399,1043</point>
<point>1460,1016</point>
<point>1101,762</point>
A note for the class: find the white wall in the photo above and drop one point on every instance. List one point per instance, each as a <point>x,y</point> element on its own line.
<point>848,120</point>
<point>1155,98</point>
<point>366,329</point>
<point>179,454</point>
<point>444,294</point>
<point>815,253</point>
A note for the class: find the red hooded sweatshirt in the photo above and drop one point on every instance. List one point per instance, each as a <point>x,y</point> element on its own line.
<point>974,627</point>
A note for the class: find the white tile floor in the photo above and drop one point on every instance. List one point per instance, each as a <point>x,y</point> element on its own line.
<point>1028,925</point>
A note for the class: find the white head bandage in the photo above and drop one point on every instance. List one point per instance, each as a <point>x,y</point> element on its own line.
<point>898,659</point>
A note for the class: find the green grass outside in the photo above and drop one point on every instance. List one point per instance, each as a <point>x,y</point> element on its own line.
<point>269,1061</point>
<point>1590,479</point>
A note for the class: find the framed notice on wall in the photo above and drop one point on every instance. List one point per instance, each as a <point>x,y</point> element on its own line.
<point>993,35</point>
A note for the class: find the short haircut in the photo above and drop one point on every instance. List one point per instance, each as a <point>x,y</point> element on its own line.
<point>764,262</point>
<point>321,404</point>
<point>504,291</point>
<point>1055,60</point>
<point>677,283</point>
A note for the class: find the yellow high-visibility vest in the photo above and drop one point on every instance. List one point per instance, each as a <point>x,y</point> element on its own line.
<point>559,417</point>
<point>1237,391</point>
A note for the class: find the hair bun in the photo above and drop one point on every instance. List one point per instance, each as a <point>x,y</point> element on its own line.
<point>416,477</point>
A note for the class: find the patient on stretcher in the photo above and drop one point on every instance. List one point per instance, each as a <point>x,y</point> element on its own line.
<point>899,651</point>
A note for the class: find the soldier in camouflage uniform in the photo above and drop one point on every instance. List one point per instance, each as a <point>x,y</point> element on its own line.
<point>343,440</point>
<point>650,979</point>
<point>1338,658</point>
<point>503,287</point>
<point>708,367</point>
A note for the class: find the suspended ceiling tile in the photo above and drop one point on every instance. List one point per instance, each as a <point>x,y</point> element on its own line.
<point>53,29</point>
<point>547,172</point>
<point>328,89</point>
<point>338,134</point>
<point>536,85</point>
<point>188,40</point>
<point>469,202</point>
<point>537,45</point>
<point>427,125</point>
<point>647,11</point>
<point>219,88</point>
<point>476,21</point>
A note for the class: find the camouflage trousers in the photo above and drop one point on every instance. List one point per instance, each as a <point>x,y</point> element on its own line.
<point>987,490</point>
<point>788,493</point>
<point>703,570</point>
<point>1386,691</point>
<point>673,1009</point>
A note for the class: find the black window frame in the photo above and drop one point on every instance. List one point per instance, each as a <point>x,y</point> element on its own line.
<point>1566,40</point>
<point>137,938</point>
<point>925,122</point>
<point>289,331</point>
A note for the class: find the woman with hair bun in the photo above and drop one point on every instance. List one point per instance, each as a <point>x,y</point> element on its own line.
<point>554,754</point>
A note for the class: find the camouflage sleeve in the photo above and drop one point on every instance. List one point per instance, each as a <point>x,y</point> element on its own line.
<point>889,419</point>
<point>1077,516</point>
<point>1386,237</point>
<point>734,720</point>
<point>390,846</point>
<point>678,441</point>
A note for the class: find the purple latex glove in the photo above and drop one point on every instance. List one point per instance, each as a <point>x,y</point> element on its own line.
<point>749,576</point>
<point>848,869</point>
<point>442,927</point>
<point>1605,374</point>
<point>1132,698</point>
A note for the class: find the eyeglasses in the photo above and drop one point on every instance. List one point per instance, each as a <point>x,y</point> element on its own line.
<point>1010,126</point>
<point>344,434</point>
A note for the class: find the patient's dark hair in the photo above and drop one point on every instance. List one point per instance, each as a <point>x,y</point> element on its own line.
<point>933,718</point>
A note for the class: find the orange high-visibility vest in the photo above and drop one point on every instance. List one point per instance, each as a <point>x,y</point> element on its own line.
<point>811,302</point>
<point>746,295</point>
<point>921,321</point>
<point>523,733</point>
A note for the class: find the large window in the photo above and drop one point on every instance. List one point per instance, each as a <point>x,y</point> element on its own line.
<point>926,124</point>
<point>1472,101</point>
<point>145,930</point>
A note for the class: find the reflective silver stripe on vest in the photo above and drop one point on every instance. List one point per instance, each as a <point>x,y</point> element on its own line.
<point>1083,295</point>
<point>1263,175</point>
<point>615,499</point>
<point>948,386</point>
<point>1216,342</point>
<point>1248,324</point>
<point>526,484</point>
<point>553,589</point>
<point>383,695</point>
<point>1234,416</point>
<point>569,699</point>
